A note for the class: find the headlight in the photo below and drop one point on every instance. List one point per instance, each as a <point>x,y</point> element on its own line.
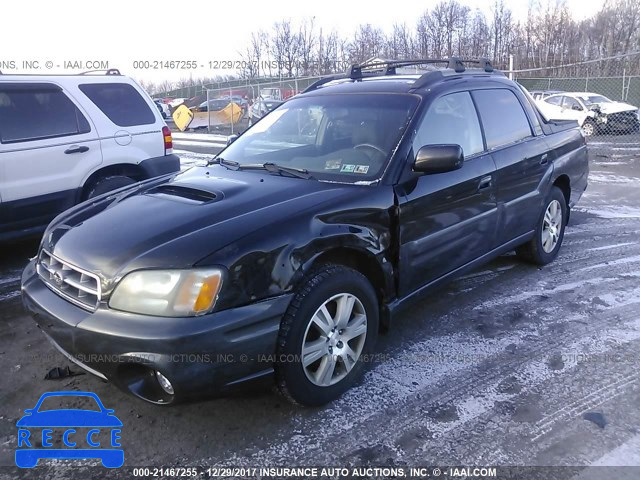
<point>168,293</point>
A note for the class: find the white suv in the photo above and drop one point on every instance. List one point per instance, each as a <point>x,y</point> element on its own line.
<point>67,138</point>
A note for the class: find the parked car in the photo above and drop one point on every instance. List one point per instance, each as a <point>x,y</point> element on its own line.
<point>176,102</point>
<point>238,100</point>
<point>67,138</point>
<point>163,108</point>
<point>594,113</point>
<point>261,107</point>
<point>214,105</point>
<point>285,255</point>
<point>542,94</point>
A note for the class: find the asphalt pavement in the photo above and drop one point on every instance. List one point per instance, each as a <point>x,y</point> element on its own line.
<point>509,365</point>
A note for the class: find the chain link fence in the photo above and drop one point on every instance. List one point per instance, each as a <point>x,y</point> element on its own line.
<point>601,95</point>
<point>231,109</point>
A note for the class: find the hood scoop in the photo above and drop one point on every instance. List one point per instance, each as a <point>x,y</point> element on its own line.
<point>185,194</point>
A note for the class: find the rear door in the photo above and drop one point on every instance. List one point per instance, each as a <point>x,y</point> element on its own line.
<point>521,159</point>
<point>47,144</point>
<point>447,219</point>
<point>130,124</point>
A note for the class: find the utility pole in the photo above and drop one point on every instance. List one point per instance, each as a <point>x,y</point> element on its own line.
<point>511,66</point>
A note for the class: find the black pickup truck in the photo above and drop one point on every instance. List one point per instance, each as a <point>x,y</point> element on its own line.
<point>287,253</point>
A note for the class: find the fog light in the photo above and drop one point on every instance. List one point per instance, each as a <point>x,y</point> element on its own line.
<point>164,383</point>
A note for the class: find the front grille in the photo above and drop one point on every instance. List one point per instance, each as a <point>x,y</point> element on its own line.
<point>68,281</point>
<point>623,118</point>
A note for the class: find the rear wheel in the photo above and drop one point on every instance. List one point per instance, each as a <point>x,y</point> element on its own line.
<point>331,324</point>
<point>543,248</point>
<point>107,184</point>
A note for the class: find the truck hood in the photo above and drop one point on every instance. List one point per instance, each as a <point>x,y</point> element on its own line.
<point>177,222</point>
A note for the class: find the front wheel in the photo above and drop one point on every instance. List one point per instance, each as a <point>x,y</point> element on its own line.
<point>543,248</point>
<point>589,128</point>
<point>325,336</point>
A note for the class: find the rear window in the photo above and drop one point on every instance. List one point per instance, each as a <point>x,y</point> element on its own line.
<point>120,102</point>
<point>29,113</point>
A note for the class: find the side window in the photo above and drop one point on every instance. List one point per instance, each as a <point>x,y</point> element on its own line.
<point>571,103</point>
<point>28,113</point>
<point>554,100</point>
<point>451,119</point>
<point>120,102</point>
<point>502,116</point>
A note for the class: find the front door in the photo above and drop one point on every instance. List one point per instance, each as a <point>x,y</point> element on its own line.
<point>447,219</point>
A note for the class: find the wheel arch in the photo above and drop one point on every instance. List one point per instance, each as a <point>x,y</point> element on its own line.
<point>563,182</point>
<point>123,169</point>
<point>368,265</point>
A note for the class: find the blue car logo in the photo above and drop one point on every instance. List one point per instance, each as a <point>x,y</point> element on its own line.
<point>84,433</point>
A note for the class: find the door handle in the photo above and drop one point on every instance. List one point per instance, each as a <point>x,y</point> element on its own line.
<point>485,182</point>
<point>544,159</point>
<point>76,149</point>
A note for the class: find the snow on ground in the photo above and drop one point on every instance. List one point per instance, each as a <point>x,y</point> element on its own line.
<point>205,137</point>
<point>197,143</point>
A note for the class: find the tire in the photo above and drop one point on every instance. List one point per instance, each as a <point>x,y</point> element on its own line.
<point>542,249</point>
<point>106,184</point>
<point>322,291</point>
<point>589,128</point>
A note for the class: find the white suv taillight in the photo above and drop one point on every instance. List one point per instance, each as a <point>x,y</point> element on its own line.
<point>168,140</point>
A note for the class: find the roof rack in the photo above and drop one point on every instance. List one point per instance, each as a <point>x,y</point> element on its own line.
<point>110,71</point>
<point>388,67</point>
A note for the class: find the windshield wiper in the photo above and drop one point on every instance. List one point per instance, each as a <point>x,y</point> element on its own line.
<point>273,168</point>
<point>296,172</point>
<point>269,167</point>
<point>231,165</point>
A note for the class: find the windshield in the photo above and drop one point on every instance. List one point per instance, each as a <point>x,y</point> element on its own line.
<point>346,138</point>
<point>594,99</point>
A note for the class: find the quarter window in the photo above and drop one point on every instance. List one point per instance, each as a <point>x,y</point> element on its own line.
<point>120,102</point>
<point>451,119</point>
<point>554,100</point>
<point>38,113</point>
<point>502,116</point>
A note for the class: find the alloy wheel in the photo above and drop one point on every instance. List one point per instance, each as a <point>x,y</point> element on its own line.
<point>334,339</point>
<point>551,226</point>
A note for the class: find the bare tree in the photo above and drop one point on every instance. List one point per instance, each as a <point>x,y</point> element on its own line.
<point>368,42</point>
<point>285,47</point>
<point>306,46</point>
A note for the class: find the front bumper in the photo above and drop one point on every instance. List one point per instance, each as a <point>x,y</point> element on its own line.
<point>201,356</point>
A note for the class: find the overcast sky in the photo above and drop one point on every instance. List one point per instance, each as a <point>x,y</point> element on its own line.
<point>121,32</point>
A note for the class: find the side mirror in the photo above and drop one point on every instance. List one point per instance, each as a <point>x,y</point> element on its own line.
<point>577,107</point>
<point>231,139</point>
<point>438,159</point>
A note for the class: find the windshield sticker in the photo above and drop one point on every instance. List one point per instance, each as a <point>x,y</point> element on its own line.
<point>361,168</point>
<point>348,168</point>
<point>332,164</point>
